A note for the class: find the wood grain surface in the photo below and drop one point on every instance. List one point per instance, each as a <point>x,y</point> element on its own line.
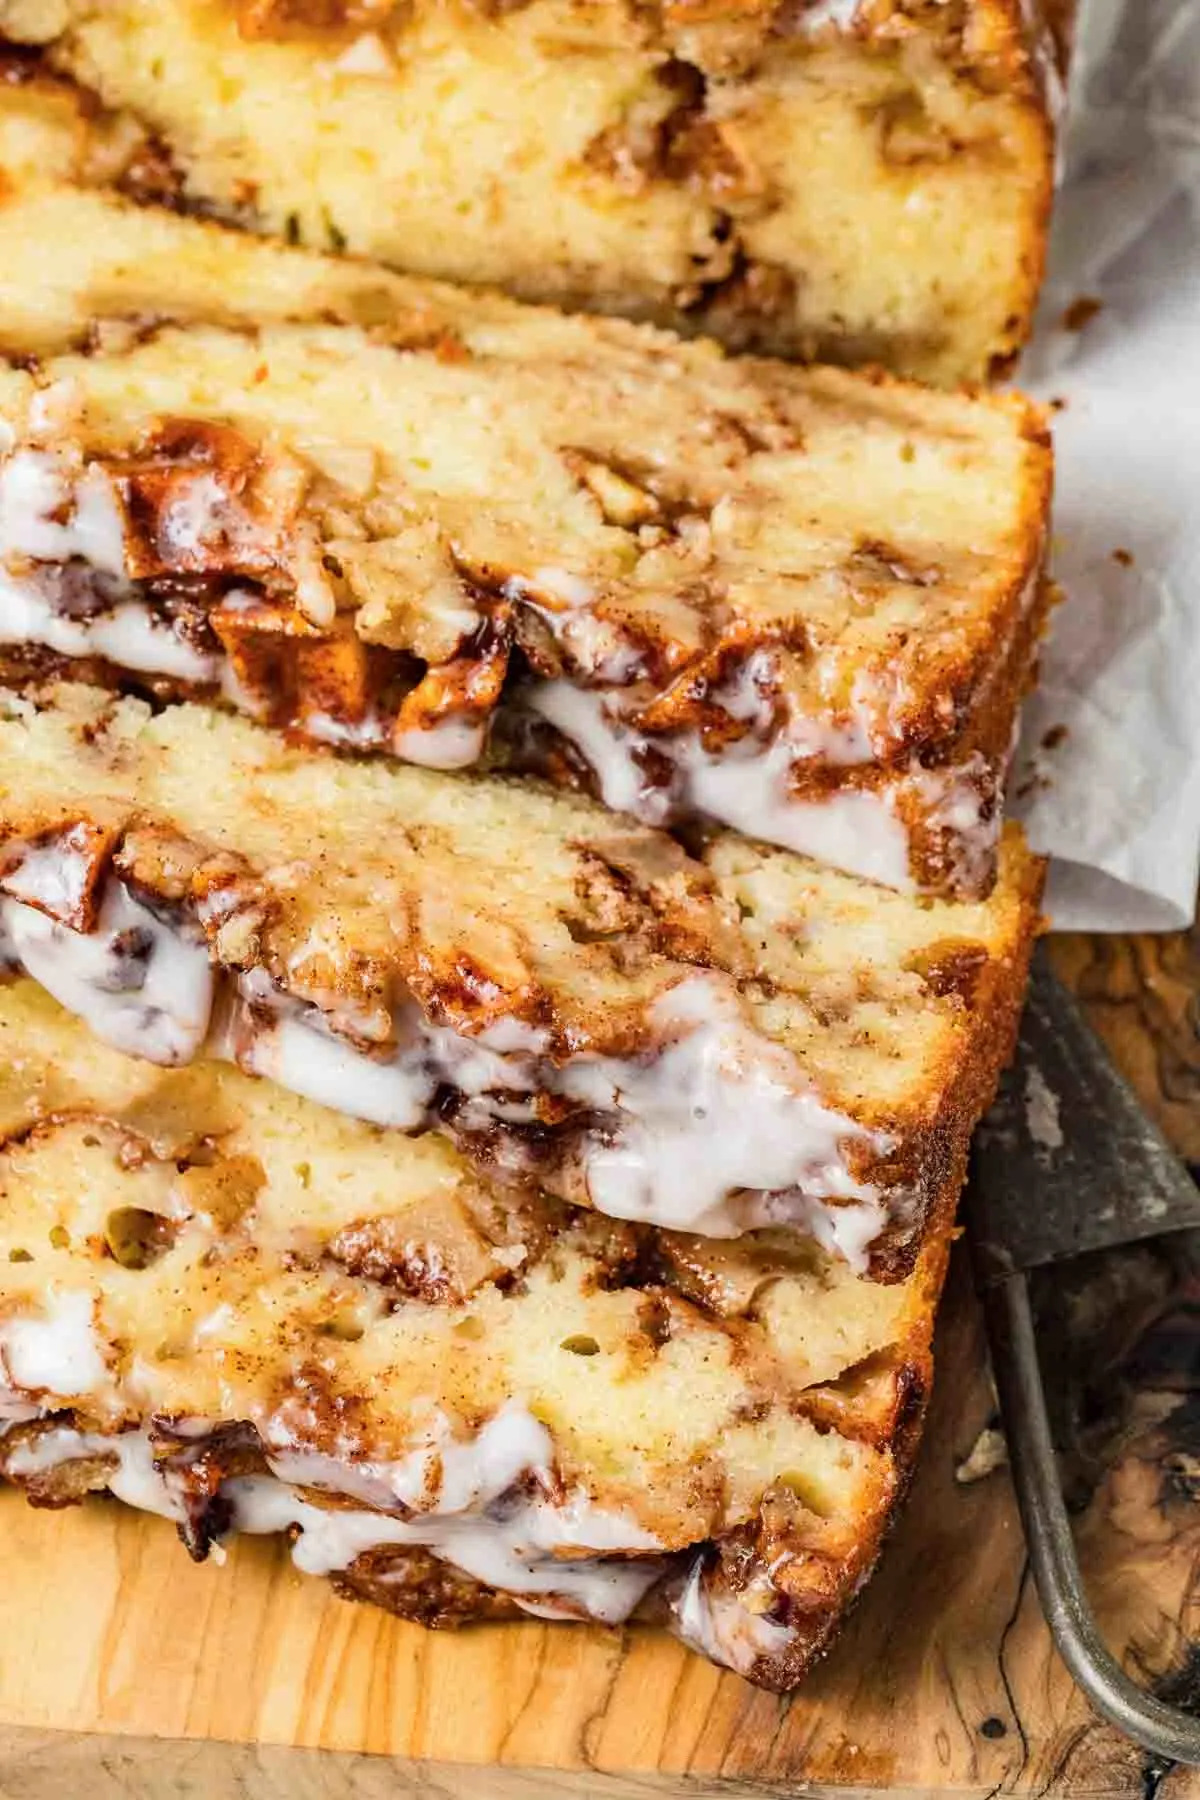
<point>125,1671</point>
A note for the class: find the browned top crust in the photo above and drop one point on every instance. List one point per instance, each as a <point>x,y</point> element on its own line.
<point>1000,39</point>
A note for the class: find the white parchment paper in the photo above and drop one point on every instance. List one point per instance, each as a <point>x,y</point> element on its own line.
<point>1116,800</point>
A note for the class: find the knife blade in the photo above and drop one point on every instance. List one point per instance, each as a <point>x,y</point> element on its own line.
<point>1067,1160</point>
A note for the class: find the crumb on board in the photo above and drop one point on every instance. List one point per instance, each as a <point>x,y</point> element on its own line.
<point>1057,403</point>
<point>1042,1113</point>
<point>988,1453</point>
<point>1054,736</point>
<point>1081,312</point>
<point>1123,556</point>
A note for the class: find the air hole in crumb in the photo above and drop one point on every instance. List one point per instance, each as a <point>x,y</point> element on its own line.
<point>470,1327</point>
<point>343,1326</point>
<point>91,1141</point>
<point>136,1238</point>
<point>580,1345</point>
<point>806,1489</point>
<point>19,1256</point>
<point>60,1237</point>
<point>586,931</point>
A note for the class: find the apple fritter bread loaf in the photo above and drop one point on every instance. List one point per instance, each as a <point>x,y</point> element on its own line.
<point>863,181</point>
<point>708,1043</point>
<point>239,1310</point>
<point>803,603</point>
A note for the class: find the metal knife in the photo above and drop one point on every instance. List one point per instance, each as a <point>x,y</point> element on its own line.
<point>1067,1162</point>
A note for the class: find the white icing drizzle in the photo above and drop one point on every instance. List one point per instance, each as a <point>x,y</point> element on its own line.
<point>582,715</point>
<point>841,14</point>
<point>749,695</point>
<point>49,876</point>
<point>453,743</point>
<point>716,1129</point>
<point>570,1558</point>
<point>565,601</point>
<point>140,984</point>
<point>56,510</point>
<point>195,513</point>
<point>516,1554</point>
<point>722,1627</point>
<point>955,808</point>
<point>717,1135</point>
<point>127,633</point>
<point>57,1351</point>
<point>269,1033</point>
<point>747,786</point>
<point>15,1409</point>
<point>855,829</point>
<point>718,1132</point>
<point>363,734</point>
<point>133,1477</point>
<point>37,487</point>
<point>569,590</point>
<point>121,625</point>
<point>298,1050</point>
<point>366,54</point>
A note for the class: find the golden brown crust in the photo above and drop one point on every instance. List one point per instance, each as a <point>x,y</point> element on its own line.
<point>818,1571</point>
<point>997,998</point>
<point>417,1586</point>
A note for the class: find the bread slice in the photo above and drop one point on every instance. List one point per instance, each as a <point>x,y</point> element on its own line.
<point>234,1308</point>
<point>710,1043</point>
<point>802,603</point>
<point>859,182</point>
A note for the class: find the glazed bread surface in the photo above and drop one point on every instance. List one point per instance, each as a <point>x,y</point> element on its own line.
<point>521,1211</point>
<point>709,1042</point>
<point>858,183</point>
<point>804,603</point>
<point>237,1309</point>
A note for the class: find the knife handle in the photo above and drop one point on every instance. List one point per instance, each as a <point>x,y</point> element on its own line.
<point>1008,1314</point>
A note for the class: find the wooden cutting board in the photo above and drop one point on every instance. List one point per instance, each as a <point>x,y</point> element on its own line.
<point>114,1649</point>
